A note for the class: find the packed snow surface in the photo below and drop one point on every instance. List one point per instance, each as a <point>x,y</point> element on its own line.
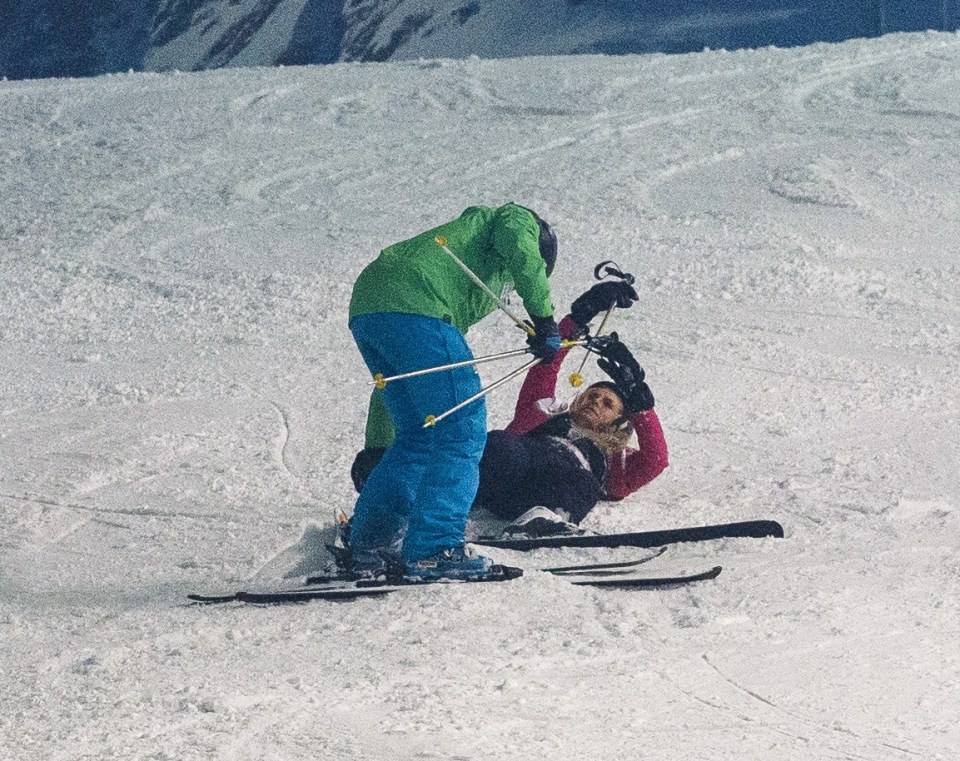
<point>180,401</point>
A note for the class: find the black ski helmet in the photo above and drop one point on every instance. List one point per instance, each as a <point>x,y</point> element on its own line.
<point>624,419</point>
<point>548,243</point>
<point>610,385</point>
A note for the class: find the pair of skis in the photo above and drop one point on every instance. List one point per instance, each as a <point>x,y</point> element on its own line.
<point>604,575</point>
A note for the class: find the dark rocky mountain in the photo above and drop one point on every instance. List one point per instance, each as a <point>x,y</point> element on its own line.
<point>59,38</point>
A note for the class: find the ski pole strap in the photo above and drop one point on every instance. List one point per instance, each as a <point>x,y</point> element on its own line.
<point>603,270</point>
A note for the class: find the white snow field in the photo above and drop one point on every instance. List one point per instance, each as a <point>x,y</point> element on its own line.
<point>180,401</point>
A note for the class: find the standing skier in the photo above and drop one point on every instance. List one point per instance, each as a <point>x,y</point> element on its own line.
<point>409,311</point>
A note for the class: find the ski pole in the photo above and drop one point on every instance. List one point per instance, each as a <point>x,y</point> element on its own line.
<point>576,378</point>
<point>380,381</point>
<point>442,242</point>
<point>432,420</point>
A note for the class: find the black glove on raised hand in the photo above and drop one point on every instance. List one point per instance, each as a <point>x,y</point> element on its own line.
<point>363,465</point>
<point>599,299</point>
<point>545,342</point>
<point>617,362</point>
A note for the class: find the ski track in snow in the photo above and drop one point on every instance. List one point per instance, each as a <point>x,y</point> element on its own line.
<point>180,402</point>
<point>283,440</point>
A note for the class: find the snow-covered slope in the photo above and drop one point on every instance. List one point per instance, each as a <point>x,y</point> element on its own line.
<point>180,401</point>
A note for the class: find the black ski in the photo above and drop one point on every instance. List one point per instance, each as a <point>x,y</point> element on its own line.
<point>212,599</point>
<point>648,582</point>
<point>602,569</point>
<point>343,593</point>
<point>335,588</point>
<point>753,529</point>
<point>351,590</point>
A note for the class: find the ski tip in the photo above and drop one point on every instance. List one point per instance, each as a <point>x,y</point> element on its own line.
<point>507,572</point>
<point>211,599</point>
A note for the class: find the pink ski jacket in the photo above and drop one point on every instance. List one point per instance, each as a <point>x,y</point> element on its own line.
<point>628,470</point>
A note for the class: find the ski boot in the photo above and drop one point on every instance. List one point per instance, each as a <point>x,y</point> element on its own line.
<point>452,564</point>
<point>540,521</point>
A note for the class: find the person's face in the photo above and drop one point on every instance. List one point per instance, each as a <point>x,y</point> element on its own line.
<point>596,408</point>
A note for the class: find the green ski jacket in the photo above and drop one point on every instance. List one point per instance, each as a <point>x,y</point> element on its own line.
<point>500,245</point>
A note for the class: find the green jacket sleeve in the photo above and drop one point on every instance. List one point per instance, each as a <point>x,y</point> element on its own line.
<point>380,430</point>
<point>517,243</point>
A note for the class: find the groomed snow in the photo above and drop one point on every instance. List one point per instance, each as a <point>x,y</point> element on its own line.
<point>180,401</point>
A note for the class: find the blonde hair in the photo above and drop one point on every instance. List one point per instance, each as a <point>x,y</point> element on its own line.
<point>611,439</point>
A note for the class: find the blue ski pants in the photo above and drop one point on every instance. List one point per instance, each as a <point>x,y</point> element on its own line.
<point>422,489</point>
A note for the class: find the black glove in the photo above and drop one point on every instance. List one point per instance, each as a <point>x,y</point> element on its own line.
<point>617,362</point>
<point>600,298</point>
<point>545,341</point>
<point>363,465</point>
